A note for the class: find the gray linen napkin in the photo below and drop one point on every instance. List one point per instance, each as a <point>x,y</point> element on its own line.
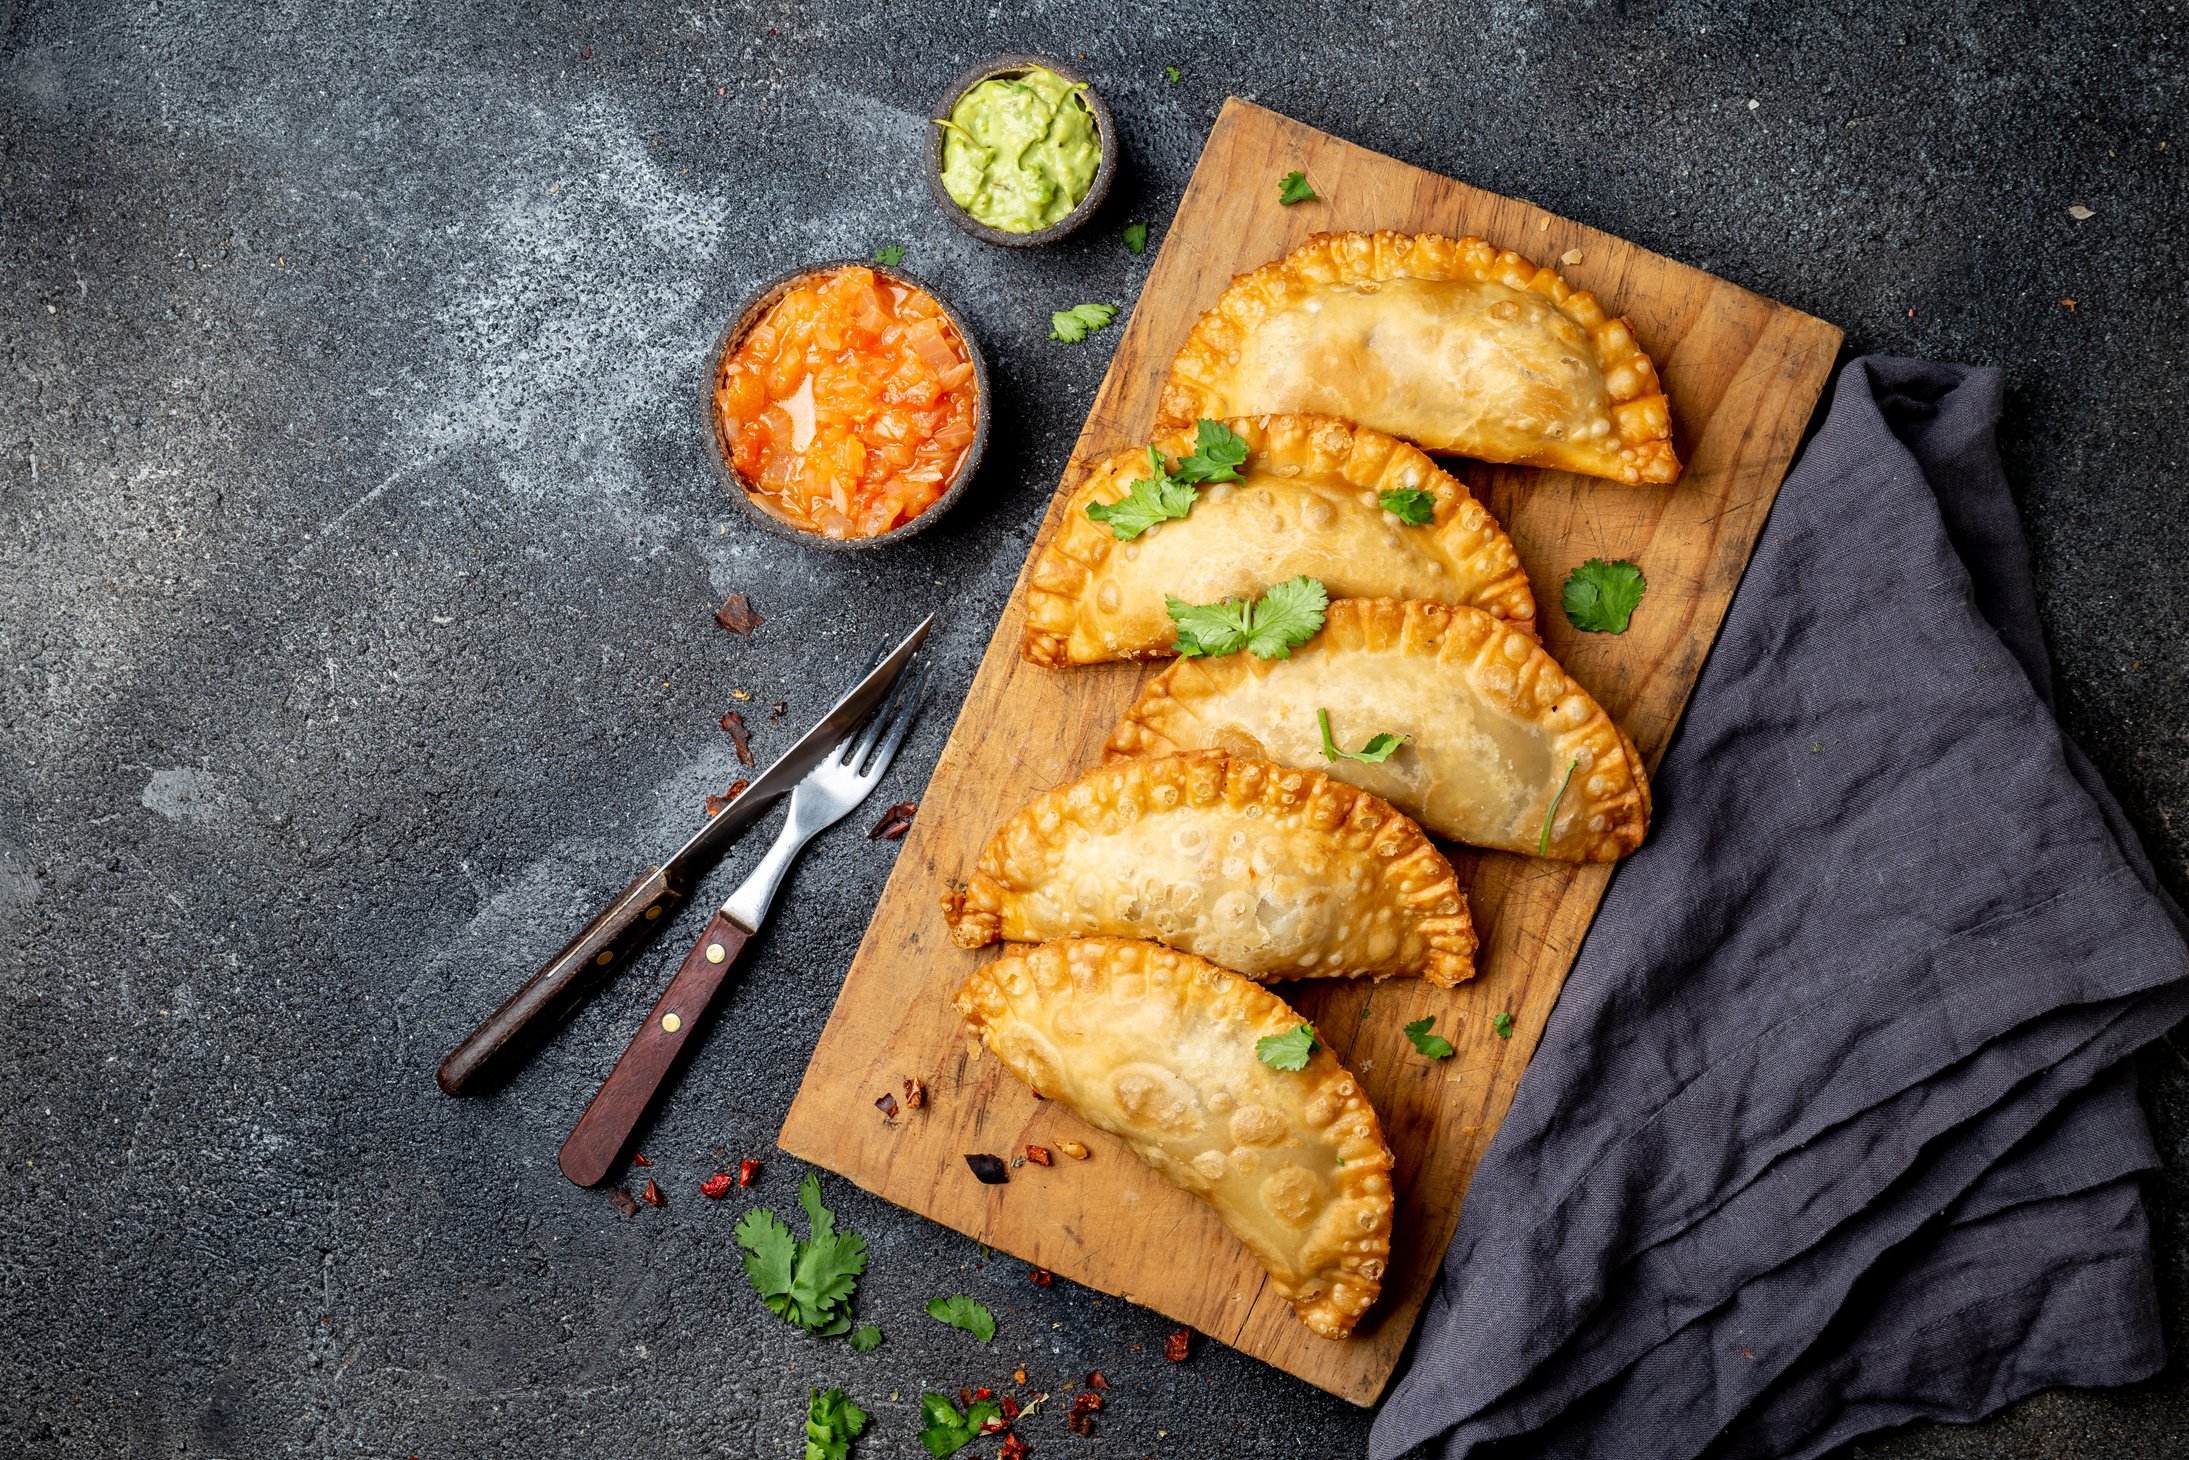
<point>1830,1129</point>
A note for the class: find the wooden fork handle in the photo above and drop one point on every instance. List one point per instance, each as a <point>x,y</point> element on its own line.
<point>509,1035</point>
<point>598,1140</point>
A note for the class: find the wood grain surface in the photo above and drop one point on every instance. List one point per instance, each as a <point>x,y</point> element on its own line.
<point>1743,373</point>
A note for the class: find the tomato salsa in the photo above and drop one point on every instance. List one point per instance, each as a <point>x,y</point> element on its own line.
<point>849,408</point>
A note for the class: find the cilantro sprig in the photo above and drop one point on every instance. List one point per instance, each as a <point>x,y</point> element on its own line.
<point>1136,237</point>
<point>1168,492</point>
<point>1502,1026</point>
<point>1600,597</point>
<point>806,1282</point>
<point>1379,748</point>
<point>1295,189</point>
<point>1070,326</point>
<point>889,255</point>
<point>832,1423</point>
<point>1286,1051</point>
<point>960,1311</point>
<point>945,1429</point>
<point>866,1338</point>
<point>1269,627</point>
<point>1435,1046</point>
<point>1411,505</point>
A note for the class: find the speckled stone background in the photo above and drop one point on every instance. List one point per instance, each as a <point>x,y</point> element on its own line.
<point>356,559</point>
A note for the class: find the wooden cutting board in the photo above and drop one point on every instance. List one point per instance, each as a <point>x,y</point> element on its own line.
<point>1743,374</point>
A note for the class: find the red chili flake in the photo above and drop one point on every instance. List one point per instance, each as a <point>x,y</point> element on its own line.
<point>735,724</point>
<point>1014,1448</point>
<point>1096,1381</point>
<point>1018,1375</point>
<point>965,1398</point>
<point>1179,1346</point>
<point>1041,1276</point>
<point>586,54</point>
<point>640,1160</point>
<point>715,804</point>
<point>1010,1405</point>
<point>748,1171</point>
<point>623,1201</point>
<point>782,708</point>
<point>994,1425</point>
<point>989,1169</point>
<point>915,1093</point>
<point>895,822</point>
<point>717,1186</point>
<point>651,1193</point>
<point>887,1105</point>
<point>738,615</point>
<point>1086,1402</point>
<point>1039,1155</point>
<point>984,1392</point>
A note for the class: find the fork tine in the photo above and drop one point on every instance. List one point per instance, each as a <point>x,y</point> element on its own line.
<point>857,747</point>
<point>901,727</point>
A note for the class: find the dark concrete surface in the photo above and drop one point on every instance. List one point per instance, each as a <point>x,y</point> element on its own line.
<point>356,560</point>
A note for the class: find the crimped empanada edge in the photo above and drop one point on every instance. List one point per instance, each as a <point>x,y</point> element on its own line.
<point>1354,1275</point>
<point>1640,410</point>
<point>975,914</point>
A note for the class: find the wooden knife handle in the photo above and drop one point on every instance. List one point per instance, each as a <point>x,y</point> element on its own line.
<point>494,1050</point>
<point>590,1155</point>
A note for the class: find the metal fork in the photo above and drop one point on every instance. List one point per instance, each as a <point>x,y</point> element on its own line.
<point>829,791</point>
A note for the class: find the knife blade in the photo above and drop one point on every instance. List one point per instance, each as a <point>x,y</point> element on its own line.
<point>508,1037</point>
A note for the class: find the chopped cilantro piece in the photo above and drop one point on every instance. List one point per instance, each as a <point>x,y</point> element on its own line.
<point>1601,597</point>
<point>1158,497</point>
<point>889,255</point>
<point>944,1429</point>
<point>1543,843</point>
<point>1378,749</point>
<point>1173,73</point>
<point>1270,627</point>
<point>1410,505</point>
<point>1286,1051</point>
<point>962,1312</point>
<point>809,1282</point>
<point>1070,326</point>
<point>1136,237</point>
<point>832,1422</point>
<point>865,1338</point>
<point>1503,1026</point>
<point>1435,1046</point>
<point>1218,453</point>
<point>1295,189</point>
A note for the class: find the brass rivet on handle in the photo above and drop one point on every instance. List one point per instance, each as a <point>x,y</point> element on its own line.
<point>654,911</point>
<point>715,953</point>
<point>671,1023</point>
<point>605,955</point>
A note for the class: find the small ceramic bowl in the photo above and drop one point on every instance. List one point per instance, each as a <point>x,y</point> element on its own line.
<point>749,314</point>
<point>1105,133</point>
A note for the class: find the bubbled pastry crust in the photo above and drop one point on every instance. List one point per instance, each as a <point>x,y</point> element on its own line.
<point>1614,421</point>
<point>1273,872</point>
<point>1306,503</point>
<point>1157,1048</point>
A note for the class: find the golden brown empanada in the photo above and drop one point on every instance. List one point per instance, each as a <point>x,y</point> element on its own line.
<point>1271,872</point>
<point>1444,341</point>
<point>1306,502</point>
<point>1157,1048</point>
<point>1502,742</point>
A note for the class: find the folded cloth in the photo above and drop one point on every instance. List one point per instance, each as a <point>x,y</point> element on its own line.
<point>1831,1129</point>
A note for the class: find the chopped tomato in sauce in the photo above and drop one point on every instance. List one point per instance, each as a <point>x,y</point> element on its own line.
<point>849,408</point>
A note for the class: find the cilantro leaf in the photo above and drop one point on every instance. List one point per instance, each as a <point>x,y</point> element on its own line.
<point>1503,1025</point>
<point>1286,1051</point>
<point>1270,627</point>
<point>943,1429</point>
<point>1600,597</point>
<point>1410,505</point>
<point>832,1422</point>
<point>1378,749</point>
<point>1151,499</point>
<point>1295,189</point>
<point>828,1269</point>
<point>962,1312</point>
<point>1173,73</point>
<point>809,1282</point>
<point>1435,1046</point>
<point>865,1338</point>
<point>1136,237</point>
<point>809,1197</point>
<point>1543,843</point>
<point>769,1252</point>
<point>889,255</point>
<point>1218,452</point>
<point>1070,326</point>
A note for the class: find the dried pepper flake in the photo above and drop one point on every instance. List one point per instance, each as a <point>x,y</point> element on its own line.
<point>640,1160</point>
<point>717,1186</point>
<point>1096,1381</point>
<point>651,1192</point>
<point>624,1202</point>
<point>1018,1375</point>
<point>988,1168</point>
<point>887,1105</point>
<point>1014,1448</point>
<point>915,1093</point>
<point>1040,1276</point>
<point>1040,1156</point>
<point>717,804</point>
<point>738,615</point>
<point>1179,1346</point>
<point>748,1171</point>
<point>735,724</point>
<point>1010,1407</point>
<point>895,822</point>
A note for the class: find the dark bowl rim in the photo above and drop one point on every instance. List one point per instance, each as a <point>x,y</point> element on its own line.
<point>1098,191</point>
<point>742,322</point>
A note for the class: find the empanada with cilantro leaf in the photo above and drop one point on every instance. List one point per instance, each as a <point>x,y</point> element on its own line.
<point>1366,514</point>
<point>1503,748</point>
<point>1447,342</point>
<point>1157,1047</point>
<point>1272,872</point>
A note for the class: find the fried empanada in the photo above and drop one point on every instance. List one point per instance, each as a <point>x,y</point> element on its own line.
<point>1158,1048</point>
<point>1305,503</point>
<point>1504,750</point>
<point>1271,872</point>
<point>1444,341</point>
